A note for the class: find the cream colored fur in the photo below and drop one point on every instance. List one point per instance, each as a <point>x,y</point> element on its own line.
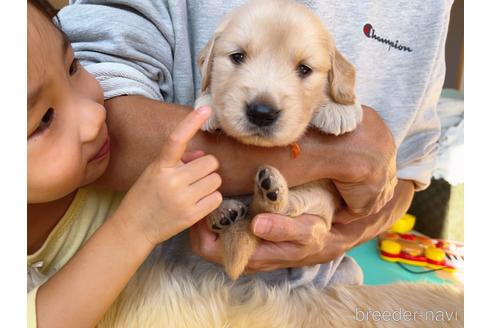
<point>176,297</point>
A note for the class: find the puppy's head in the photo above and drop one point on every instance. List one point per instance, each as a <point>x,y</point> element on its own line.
<point>268,68</point>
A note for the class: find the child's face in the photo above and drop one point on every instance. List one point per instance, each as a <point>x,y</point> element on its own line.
<point>67,137</point>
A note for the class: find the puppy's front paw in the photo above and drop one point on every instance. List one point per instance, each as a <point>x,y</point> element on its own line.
<point>271,190</point>
<point>334,118</point>
<point>230,211</point>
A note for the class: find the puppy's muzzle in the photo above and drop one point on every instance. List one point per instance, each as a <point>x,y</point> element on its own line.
<point>261,114</point>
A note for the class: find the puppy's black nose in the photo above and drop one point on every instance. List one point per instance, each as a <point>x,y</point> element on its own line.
<point>261,114</point>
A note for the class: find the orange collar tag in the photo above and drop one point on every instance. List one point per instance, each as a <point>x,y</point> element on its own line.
<point>295,150</point>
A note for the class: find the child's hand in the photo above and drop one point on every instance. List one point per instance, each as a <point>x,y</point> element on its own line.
<point>171,195</point>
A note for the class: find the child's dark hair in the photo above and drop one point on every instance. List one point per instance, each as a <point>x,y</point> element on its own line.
<point>45,7</point>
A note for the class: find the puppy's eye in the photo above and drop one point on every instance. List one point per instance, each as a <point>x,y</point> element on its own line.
<point>303,70</point>
<point>238,58</point>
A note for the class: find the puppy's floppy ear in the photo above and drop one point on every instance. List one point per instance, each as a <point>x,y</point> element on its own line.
<point>205,97</point>
<point>205,60</point>
<point>205,63</point>
<point>206,56</point>
<point>341,80</point>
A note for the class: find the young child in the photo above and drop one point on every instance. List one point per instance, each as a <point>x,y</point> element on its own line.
<point>85,244</point>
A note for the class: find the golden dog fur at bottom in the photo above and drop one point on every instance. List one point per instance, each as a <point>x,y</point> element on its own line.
<point>172,297</point>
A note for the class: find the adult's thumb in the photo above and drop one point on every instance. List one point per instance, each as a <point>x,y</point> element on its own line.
<point>277,228</point>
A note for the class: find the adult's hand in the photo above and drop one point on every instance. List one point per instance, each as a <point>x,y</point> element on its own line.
<point>304,240</point>
<point>287,242</point>
<point>363,167</point>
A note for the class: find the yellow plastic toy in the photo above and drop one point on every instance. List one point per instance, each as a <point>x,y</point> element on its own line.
<point>399,245</point>
<point>404,225</point>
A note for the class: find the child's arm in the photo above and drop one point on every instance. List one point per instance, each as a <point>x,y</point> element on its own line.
<point>80,293</point>
<point>169,197</point>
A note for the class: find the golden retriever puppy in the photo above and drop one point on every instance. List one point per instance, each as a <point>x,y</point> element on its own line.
<point>268,77</point>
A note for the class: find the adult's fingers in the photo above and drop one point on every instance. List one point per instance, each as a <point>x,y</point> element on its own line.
<point>278,228</point>
<point>348,214</point>
<point>386,196</point>
<point>274,255</point>
<point>359,198</point>
<point>176,142</point>
<point>205,243</point>
<point>344,216</point>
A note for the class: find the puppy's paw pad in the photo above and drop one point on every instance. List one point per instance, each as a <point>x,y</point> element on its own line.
<point>229,212</point>
<point>272,195</point>
<point>266,184</point>
<point>270,183</point>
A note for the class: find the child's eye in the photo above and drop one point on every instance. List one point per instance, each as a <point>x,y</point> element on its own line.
<point>46,120</point>
<point>74,67</point>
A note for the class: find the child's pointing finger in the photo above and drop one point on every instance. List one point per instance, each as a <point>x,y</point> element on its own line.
<point>175,146</point>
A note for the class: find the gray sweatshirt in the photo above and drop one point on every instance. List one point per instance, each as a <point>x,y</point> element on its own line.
<point>149,48</point>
